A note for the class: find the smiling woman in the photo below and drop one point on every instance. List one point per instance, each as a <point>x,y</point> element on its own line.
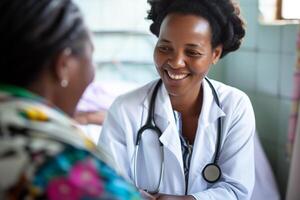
<point>177,48</point>
<point>186,136</point>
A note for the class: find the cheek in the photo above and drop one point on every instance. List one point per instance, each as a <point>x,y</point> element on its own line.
<point>91,72</point>
<point>159,60</point>
<point>83,76</point>
<point>201,66</point>
<point>87,72</point>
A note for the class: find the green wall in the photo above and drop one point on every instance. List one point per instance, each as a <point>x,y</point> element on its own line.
<point>263,68</point>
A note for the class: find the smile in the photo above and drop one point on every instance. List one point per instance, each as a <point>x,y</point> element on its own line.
<point>177,76</point>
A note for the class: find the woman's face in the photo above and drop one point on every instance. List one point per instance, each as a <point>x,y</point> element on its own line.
<point>183,54</point>
<point>81,73</point>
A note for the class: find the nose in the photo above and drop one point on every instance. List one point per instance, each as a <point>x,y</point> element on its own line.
<point>177,61</point>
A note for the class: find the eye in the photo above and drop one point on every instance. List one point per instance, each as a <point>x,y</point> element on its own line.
<point>164,49</point>
<point>193,53</point>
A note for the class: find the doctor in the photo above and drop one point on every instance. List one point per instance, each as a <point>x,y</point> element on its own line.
<point>188,137</point>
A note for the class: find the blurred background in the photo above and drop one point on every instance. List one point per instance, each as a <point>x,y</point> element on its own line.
<point>265,67</point>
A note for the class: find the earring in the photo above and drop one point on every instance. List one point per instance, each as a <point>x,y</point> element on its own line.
<point>67,51</point>
<point>64,83</point>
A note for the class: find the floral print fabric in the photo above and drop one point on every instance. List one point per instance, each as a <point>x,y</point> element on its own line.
<point>44,156</point>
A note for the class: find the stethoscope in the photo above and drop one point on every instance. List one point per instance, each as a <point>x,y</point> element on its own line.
<point>211,172</point>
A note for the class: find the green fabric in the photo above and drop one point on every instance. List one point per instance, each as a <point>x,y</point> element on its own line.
<point>18,91</point>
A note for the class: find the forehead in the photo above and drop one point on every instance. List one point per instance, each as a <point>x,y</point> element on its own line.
<point>187,28</point>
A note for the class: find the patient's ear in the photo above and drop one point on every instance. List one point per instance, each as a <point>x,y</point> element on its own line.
<point>63,66</point>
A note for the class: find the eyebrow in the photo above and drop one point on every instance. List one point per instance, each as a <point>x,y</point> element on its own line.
<point>165,40</point>
<point>193,45</point>
<point>189,44</point>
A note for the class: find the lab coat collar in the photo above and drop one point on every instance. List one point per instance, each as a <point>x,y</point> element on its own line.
<point>210,111</point>
<point>163,107</point>
<point>164,116</point>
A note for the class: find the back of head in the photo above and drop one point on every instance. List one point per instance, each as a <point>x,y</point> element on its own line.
<point>223,16</point>
<point>33,33</point>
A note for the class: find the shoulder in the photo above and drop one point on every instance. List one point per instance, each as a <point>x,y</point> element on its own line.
<point>56,161</point>
<point>230,96</point>
<point>235,103</point>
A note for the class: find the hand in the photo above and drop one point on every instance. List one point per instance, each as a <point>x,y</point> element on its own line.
<point>174,197</point>
<point>146,196</point>
<point>90,117</point>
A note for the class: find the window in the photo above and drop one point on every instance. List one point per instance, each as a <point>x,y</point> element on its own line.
<point>279,11</point>
<point>290,9</point>
<point>123,43</point>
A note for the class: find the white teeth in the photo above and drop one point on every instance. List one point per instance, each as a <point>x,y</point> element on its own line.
<point>177,76</point>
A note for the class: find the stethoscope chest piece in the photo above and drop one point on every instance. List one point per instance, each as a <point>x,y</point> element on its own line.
<point>211,173</point>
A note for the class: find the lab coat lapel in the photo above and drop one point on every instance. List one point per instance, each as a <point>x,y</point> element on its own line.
<point>164,119</point>
<point>172,146</point>
<point>170,137</point>
<point>206,136</point>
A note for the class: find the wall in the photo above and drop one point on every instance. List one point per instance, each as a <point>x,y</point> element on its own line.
<point>263,68</point>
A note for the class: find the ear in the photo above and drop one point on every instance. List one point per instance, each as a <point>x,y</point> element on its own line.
<point>217,52</point>
<point>62,67</point>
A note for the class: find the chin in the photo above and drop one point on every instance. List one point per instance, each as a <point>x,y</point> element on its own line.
<point>174,91</point>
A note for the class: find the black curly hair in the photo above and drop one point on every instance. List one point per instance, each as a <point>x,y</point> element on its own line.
<point>33,33</point>
<point>227,26</point>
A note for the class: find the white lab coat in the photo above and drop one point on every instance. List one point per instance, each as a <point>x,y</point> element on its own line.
<point>129,112</point>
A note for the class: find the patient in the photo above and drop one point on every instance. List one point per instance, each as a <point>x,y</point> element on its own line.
<point>46,64</point>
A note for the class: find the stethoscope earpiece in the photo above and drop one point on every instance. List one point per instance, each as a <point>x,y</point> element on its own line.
<point>211,173</point>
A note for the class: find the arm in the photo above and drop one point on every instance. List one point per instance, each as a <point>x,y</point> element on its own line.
<point>175,197</point>
<point>113,140</point>
<point>148,196</point>
<point>236,155</point>
<point>84,118</point>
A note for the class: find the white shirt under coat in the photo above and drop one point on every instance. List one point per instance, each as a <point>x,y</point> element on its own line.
<point>129,112</point>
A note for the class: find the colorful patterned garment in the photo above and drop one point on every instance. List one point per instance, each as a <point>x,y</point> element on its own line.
<point>44,156</point>
<point>295,101</point>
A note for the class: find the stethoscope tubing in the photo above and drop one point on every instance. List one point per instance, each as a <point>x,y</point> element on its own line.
<point>218,143</point>
<point>150,124</point>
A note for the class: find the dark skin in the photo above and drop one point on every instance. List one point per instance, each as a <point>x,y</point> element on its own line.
<point>148,196</point>
<point>84,118</point>
<point>190,118</point>
<point>183,56</point>
<point>77,70</point>
<point>174,197</point>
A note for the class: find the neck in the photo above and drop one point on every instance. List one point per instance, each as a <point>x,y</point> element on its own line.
<point>188,105</point>
<point>50,90</point>
<point>42,88</point>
